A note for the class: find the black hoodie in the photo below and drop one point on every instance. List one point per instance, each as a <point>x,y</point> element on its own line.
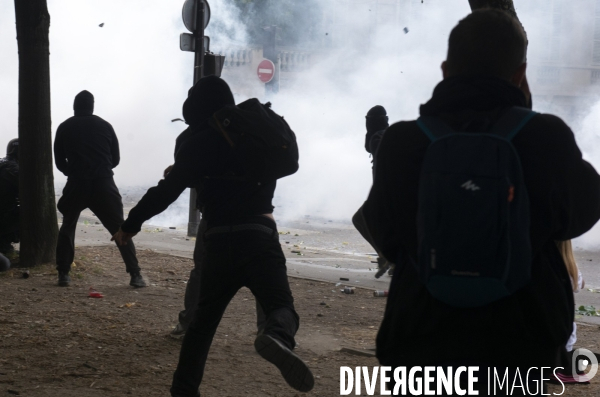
<point>9,185</point>
<point>86,146</point>
<point>526,329</point>
<point>201,156</point>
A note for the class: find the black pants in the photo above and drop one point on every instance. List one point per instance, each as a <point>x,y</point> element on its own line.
<point>102,197</point>
<point>192,289</point>
<point>231,260</point>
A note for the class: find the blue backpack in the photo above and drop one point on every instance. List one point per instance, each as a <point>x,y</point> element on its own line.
<point>473,218</point>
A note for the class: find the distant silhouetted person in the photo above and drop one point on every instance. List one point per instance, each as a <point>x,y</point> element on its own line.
<point>377,122</point>
<point>9,198</point>
<point>86,150</point>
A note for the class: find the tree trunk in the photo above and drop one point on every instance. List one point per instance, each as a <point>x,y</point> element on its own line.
<point>39,226</point>
<point>506,5</point>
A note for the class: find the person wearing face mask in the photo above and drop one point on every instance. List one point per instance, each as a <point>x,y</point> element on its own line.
<point>86,150</point>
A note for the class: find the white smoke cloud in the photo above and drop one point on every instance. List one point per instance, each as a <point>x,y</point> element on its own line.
<point>327,106</point>
<point>140,78</point>
<point>132,65</point>
<point>588,139</point>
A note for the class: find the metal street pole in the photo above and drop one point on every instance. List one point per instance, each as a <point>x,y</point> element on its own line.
<point>270,53</point>
<point>194,214</point>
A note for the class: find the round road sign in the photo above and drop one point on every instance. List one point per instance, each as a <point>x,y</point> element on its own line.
<point>266,71</point>
<point>189,14</point>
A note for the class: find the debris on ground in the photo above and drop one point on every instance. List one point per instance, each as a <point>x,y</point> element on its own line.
<point>56,344</point>
<point>587,311</point>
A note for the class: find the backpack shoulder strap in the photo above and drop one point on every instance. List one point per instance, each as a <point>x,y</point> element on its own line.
<point>512,122</point>
<point>434,127</point>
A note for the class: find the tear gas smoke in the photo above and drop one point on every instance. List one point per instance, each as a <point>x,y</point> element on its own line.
<point>140,78</point>
<point>368,62</point>
<point>588,138</point>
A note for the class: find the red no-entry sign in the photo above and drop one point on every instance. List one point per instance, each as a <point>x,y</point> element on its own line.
<point>266,71</point>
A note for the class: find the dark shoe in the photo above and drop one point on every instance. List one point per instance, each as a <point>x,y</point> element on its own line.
<point>63,279</point>
<point>295,372</point>
<point>178,332</point>
<point>137,281</point>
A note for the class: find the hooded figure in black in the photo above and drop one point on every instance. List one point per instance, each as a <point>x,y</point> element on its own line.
<point>241,245</point>
<point>9,197</point>
<point>197,110</point>
<point>86,150</point>
<point>377,122</point>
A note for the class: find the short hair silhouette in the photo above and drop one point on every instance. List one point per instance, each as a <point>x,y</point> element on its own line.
<point>488,42</point>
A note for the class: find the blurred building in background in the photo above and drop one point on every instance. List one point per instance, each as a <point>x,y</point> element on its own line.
<point>564,55</point>
<point>564,63</point>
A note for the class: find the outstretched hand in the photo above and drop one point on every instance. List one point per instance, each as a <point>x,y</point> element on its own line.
<point>122,238</point>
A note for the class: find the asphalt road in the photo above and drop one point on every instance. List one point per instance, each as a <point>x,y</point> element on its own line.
<point>317,249</point>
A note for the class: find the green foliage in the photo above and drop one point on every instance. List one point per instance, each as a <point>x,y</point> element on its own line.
<point>587,311</point>
<point>298,22</point>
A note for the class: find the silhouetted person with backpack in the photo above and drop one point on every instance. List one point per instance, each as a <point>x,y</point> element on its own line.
<point>192,287</point>
<point>468,201</point>
<point>241,242</point>
<point>86,150</point>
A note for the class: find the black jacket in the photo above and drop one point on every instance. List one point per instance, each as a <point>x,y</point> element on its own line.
<point>526,329</point>
<point>9,185</point>
<point>198,163</point>
<point>86,146</point>
<point>201,156</point>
